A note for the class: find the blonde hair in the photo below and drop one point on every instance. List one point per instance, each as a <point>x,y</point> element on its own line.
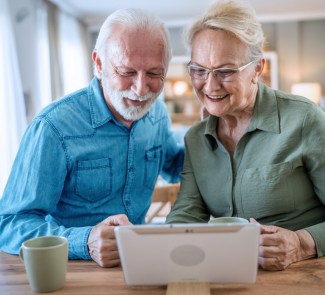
<point>236,18</point>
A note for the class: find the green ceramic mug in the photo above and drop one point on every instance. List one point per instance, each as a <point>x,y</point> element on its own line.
<point>228,219</point>
<point>45,259</point>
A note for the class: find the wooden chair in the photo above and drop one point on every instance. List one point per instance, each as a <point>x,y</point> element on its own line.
<point>163,199</point>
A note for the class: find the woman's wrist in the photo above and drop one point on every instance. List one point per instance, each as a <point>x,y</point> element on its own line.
<point>307,245</point>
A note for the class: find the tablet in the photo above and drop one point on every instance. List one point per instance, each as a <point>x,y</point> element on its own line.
<point>214,253</point>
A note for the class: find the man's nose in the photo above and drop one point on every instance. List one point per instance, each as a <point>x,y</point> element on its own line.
<point>140,85</point>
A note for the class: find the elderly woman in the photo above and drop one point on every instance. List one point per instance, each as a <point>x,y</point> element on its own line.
<point>260,153</point>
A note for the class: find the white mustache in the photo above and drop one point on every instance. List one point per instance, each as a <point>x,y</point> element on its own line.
<point>132,96</point>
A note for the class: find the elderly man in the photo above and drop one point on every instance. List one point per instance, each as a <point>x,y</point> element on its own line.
<point>89,161</point>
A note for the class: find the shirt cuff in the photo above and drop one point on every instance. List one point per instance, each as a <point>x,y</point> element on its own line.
<point>77,243</point>
<point>317,232</point>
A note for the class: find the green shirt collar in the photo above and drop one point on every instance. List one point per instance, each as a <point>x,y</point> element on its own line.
<point>265,115</point>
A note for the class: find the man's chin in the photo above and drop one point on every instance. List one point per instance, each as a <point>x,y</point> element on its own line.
<point>136,113</point>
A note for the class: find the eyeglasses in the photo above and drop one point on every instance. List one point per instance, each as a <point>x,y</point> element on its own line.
<point>224,74</point>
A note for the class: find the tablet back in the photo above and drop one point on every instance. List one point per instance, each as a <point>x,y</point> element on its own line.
<point>215,253</point>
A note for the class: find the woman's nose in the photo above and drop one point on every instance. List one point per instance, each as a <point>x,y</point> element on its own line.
<point>212,82</point>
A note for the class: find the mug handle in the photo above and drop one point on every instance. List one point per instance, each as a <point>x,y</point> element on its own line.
<point>21,254</point>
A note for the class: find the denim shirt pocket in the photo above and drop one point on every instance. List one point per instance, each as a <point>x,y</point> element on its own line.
<point>94,179</point>
<point>152,166</point>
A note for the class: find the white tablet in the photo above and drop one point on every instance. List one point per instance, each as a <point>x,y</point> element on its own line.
<point>215,253</point>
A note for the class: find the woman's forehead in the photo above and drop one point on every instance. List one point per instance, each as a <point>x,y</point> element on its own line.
<point>216,46</point>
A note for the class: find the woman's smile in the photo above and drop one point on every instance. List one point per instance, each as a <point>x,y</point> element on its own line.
<point>216,98</point>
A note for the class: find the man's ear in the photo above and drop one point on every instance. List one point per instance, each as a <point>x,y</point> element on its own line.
<point>98,63</point>
<point>258,70</point>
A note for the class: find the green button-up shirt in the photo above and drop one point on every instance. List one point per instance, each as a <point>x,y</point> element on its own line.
<point>276,174</point>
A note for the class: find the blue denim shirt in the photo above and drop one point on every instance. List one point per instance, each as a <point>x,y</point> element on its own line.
<point>77,165</point>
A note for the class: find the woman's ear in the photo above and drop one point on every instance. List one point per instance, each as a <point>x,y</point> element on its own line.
<point>258,70</point>
<point>98,63</point>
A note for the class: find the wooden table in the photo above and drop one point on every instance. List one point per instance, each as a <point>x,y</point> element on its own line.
<point>86,277</point>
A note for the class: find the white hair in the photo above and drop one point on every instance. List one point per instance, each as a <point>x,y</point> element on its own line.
<point>134,19</point>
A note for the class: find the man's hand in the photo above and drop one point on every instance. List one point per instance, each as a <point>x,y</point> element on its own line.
<point>101,243</point>
<point>279,247</point>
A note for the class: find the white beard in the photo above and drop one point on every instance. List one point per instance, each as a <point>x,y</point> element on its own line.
<point>129,113</point>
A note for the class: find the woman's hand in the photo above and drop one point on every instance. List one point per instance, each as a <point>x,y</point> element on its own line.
<point>101,243</point>
<point>279,247</point>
